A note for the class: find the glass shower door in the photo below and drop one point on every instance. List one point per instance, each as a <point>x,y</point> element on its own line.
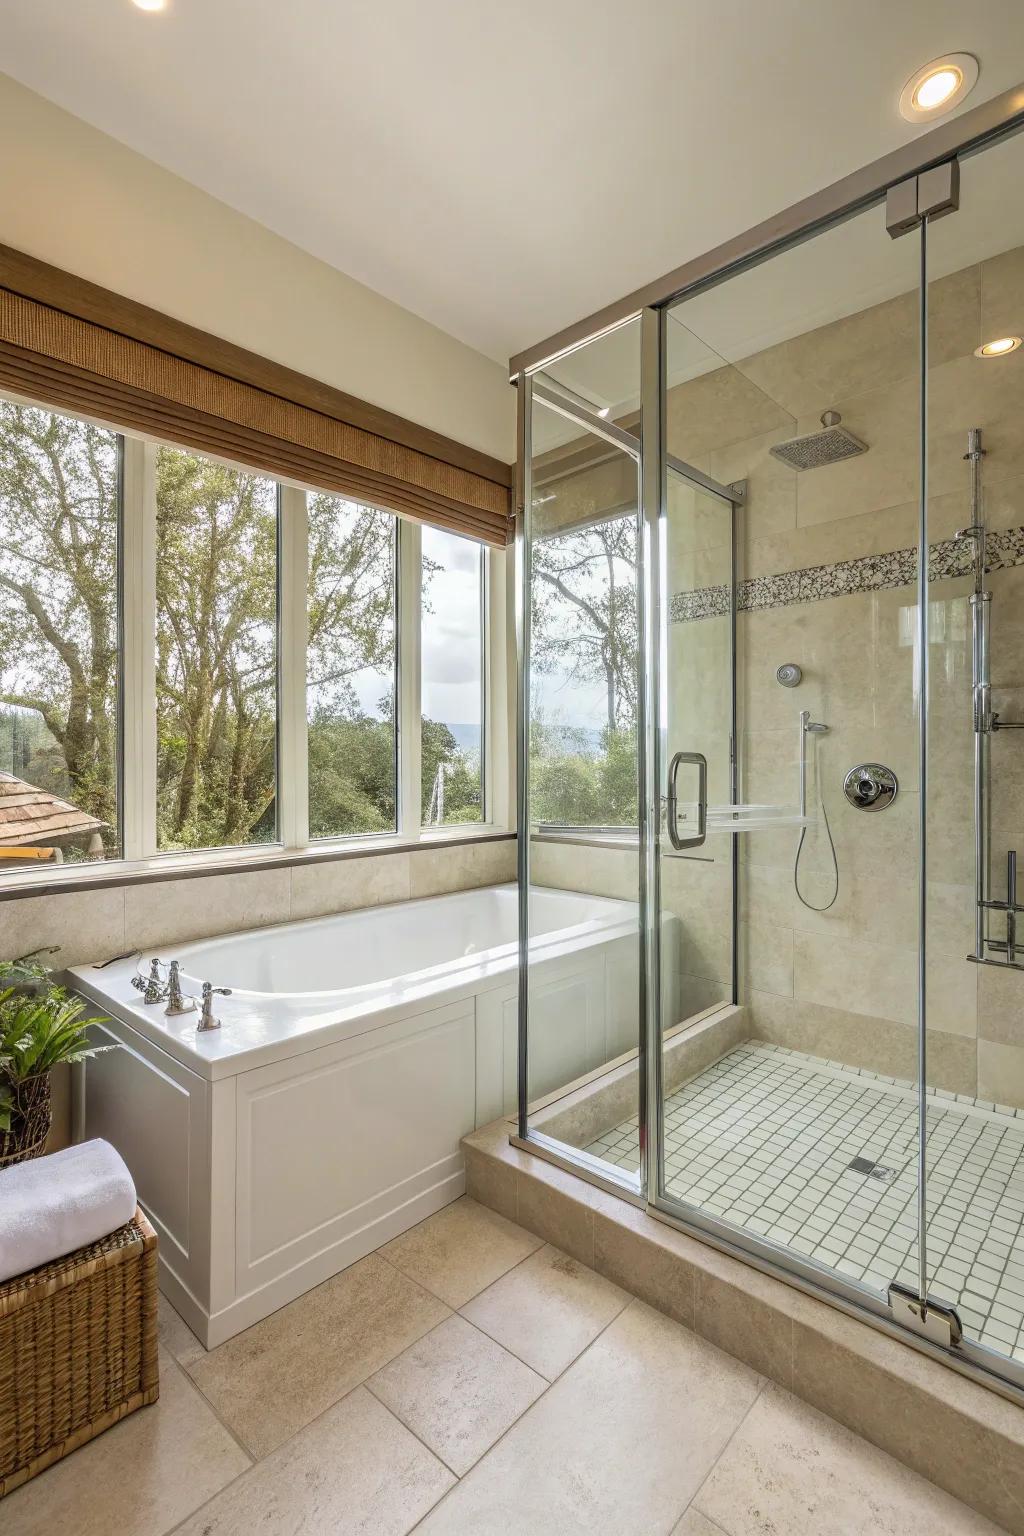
<point>694,847</point>
<point>974,960</point>
<point>579,1078</point>
<point>789,1124</point>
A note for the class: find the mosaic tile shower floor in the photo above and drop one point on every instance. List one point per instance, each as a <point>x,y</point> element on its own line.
<point>764,1138</point>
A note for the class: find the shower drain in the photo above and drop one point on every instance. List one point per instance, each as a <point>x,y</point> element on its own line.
<point>871,1170</point>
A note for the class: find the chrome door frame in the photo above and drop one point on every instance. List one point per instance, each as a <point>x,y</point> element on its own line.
<point>656,465</point>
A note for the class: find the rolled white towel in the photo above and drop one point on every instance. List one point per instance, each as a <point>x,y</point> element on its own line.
<point>52,1205</point>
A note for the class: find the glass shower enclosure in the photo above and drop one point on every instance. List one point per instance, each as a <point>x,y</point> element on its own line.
<point>771,570</point>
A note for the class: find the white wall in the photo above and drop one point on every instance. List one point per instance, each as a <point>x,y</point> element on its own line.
<point>82,201</point>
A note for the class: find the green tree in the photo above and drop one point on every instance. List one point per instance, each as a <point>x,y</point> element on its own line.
<point>58,608</point>
<point>585,617</point>
<point>585,629</point>
<point>216,531</point>
<point>216,647</point>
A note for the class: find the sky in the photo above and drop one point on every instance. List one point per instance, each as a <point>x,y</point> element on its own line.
<point>451,650</point>
<point>451,641</point>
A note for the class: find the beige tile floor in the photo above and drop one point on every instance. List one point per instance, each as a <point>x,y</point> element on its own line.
<point>469,1380</point>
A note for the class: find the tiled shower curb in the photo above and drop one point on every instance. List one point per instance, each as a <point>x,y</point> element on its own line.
<point>959,1434</point>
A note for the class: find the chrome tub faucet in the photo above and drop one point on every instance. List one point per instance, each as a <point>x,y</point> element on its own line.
<point>206,1018</point>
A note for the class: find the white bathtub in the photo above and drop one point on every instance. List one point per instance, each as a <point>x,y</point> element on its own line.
<point>325,1115</point>
<point>389,952</point>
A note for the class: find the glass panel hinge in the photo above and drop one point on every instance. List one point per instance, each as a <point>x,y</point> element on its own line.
<point>930,195</point>
<point>933,1320</point>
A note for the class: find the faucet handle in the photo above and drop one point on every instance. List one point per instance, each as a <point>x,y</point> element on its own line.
<point>206,1018</point>
<point>151,986</point>
<point>177,1002</point>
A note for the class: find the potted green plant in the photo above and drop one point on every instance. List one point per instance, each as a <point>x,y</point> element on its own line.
<point>40,1027</point>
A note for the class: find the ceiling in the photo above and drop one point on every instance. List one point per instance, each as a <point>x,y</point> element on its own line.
<point>503,169</point>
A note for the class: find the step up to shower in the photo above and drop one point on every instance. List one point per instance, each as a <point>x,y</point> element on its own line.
<point>960,1434</point>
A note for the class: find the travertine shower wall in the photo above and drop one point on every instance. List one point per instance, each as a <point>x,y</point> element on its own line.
<point>824,584</point>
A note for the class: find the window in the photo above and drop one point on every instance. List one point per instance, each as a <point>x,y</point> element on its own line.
<point>584,676</point>
<point>195,657</point>
<point>59,534</point>
<point>351,668</point>
<point>452,672</point>
<point>216,654</point>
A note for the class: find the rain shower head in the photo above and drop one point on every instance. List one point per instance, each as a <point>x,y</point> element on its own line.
<point>829,446</point>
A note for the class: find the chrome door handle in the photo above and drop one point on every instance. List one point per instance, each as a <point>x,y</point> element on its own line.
<point>700,762</point>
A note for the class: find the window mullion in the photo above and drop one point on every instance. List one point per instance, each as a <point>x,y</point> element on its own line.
<point>138,647</point>
<point>293,752</point>
<point>410,586</point>
<point>498,678</point>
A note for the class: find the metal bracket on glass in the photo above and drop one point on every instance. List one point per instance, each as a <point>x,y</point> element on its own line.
<point>929,195</point>
<point>700,762</point>
<point>934,1320</point>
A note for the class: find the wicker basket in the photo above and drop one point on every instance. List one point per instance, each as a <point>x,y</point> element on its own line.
<point>30,1120</point>
<point>78,1349</point>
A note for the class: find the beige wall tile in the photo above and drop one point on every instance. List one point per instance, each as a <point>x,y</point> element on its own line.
<point>869,908</point>
<point>861,1040</point>
<point>435,871</point>
<point>699,992</point>
<point>833,641</point>
<point>720,407</point>
<point>649,1259</point>
<point>769,552</point>
<point>1001,1006</point>
<point>1002,283</point>
<point>873,348</point>
<point>862,978</point>
<point>490,1182</point>
<point>1001,1073</point>
<point>341,885</point>
<point>79,925</point>
<point>882,982</point>
<point>82,926</point>
<point>736,1307</point>
<point>613,872</point>
<point>168,911</point>
<point>766,958</point>
<point>558,1208</point>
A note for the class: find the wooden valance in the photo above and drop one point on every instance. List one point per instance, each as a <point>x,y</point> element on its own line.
<point>69,344</point>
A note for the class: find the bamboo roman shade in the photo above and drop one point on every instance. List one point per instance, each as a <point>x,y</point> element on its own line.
<point>69,344</point>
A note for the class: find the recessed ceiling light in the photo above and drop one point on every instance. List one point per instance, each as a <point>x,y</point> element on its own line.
<point>998,348</point>
<point>150,5</point>
<point>938,87</point>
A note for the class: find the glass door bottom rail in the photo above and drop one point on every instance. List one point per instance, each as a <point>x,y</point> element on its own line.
<point>765,1139</point>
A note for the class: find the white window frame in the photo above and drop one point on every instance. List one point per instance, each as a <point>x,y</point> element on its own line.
<point>137,693</point>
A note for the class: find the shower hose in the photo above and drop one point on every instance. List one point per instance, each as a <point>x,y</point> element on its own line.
<point>831,843</point>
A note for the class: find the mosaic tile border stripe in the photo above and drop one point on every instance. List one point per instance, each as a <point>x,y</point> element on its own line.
<point>868,573</point>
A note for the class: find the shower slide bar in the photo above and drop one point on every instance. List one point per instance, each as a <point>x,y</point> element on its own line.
<point>987,951</point>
